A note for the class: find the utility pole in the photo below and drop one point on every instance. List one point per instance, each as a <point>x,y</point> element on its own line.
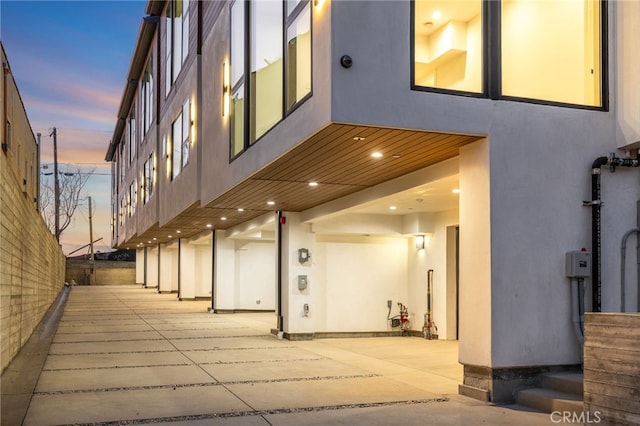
<point>91,259</point>
<point>91,230</point>
<point>54,133</point>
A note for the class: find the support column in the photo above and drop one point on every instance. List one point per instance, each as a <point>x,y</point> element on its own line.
<point>297,277</point>
<point>140,265</point>
<point>224,273</point>
<point>152,267</point>
<point>475,271</point>
<point>187,271</point>
<point>168,279</point>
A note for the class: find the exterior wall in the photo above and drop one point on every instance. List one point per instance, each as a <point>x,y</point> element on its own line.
<point>531,217</point>
<point>31,265</point>
<point>611,373</point>
<point>105,272</point>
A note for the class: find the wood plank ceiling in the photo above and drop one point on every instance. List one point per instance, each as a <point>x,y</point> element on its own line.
<point>338,158</point>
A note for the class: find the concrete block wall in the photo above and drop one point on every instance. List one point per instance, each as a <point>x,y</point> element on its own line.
<point>612,367</point>
<point>105,272</point>
<point>31,265</point>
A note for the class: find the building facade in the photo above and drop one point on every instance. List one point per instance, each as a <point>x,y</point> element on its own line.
<point>340,161</point>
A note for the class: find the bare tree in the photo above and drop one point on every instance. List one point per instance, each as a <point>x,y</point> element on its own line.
<point>71,183</point>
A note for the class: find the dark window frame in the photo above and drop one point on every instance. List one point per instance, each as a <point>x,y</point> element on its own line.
<point>286,20</point>
<point>492,60</point>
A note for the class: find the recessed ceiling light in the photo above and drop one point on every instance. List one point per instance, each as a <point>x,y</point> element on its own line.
<point>149,242</point>
<point>456,190</point>
<point>240,209</point>
<point>209,225</point>
<point>437,14</point>
<point>170,236</point>
<point>313,183</point>
<point>358,138</point>
<point>377,154</point>
<point>271,203</point>
<point>392,207</point>
<point>223,218</point>
<point>397,156</point>
<point>154,238</point>
<point>177,232</point>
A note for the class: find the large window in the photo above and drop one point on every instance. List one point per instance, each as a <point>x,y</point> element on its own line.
<point>148,179</point>
<point>448,44</point>
<point>550,51</point>
<point>238,47</point>
<point>298,72</point>
<point>176,40</point>
<point>266,67</point>
<point>131,134</point>
<point>180,141</point>
<point>277,76</point>
<point>132,198</point>
<point>146,97</point>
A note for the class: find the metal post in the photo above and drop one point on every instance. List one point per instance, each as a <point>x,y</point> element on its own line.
<point>54,133</point>
<point>91,259</point>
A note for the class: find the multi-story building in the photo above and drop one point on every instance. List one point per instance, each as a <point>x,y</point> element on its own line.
<point>330,159</point>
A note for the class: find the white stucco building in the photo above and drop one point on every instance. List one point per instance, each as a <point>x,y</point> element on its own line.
<point>288,156</point>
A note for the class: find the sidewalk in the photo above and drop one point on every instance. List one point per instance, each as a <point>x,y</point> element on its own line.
<point>126,355</point>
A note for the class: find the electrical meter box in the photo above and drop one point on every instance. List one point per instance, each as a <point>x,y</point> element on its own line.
<point>578,264</point>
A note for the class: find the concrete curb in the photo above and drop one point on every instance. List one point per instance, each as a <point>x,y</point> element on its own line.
<point>21,376</point>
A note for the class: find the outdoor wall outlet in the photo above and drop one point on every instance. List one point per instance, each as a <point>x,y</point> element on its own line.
<point>302,282</point>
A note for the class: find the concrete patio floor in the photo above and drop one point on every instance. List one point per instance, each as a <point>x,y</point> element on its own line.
<point>127,355</point>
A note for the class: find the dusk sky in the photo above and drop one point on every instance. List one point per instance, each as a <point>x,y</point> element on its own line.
<point>70,60</point>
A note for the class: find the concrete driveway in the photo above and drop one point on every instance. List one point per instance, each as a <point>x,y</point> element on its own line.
<point>127,355</point>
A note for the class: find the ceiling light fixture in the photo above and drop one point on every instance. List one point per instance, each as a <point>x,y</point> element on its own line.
<point>271,203</point>
<point>223,218</point>
<point>240,209</point>
<point>358,138</point>
<point>313,183</point>
<point>393,208</point>
<point>376,154</point>
<point>456,190</point>
<point>209,225</point>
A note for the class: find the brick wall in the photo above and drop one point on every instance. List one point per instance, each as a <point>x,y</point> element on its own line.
<point>612,367</point>
<point>31,264</point>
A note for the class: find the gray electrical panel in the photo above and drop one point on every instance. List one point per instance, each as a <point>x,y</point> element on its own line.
<point>578,264</point>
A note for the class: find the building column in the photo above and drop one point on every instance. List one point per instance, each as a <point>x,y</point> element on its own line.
<point>168,259</point>
<point>297,277</point>
<point>475,271</point>
<point>140,265</point>
<point>224,273</point>
<point>187,271</point>
<point>152,267</point>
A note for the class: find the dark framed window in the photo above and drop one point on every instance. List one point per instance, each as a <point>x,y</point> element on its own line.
<point>270,66</point>
<point>148,181</point>
<point>180,141</point>
<point>147,97</point>
<point>551,52</point>
<point>176,40</point>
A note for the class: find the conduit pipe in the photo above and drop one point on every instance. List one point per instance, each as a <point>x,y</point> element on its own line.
<point>279,274</point>
<point>623,250</point>
<point>576,308</point>
<point>596,203</point>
